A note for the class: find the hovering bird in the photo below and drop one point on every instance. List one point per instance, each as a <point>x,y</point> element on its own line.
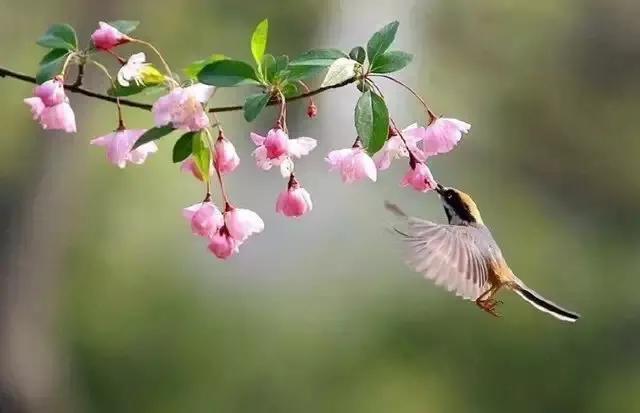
<point>463,256</point>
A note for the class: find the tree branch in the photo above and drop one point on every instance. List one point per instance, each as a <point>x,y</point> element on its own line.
<point>75,88</point>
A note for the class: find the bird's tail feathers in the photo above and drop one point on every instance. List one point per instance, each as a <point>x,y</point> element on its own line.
<point>395,209</point>
<point>545,305</point>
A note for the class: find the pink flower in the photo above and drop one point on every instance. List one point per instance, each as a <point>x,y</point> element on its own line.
<point>107,37</point>
<point>419,178</point>
<point>182,108</point>
<point>353,163</point>
<point>395,148</point>
<point>443,134</point>
<point>50,106</point>
<point>190,166</point>
<point>295,201</point>
<point>222,245</point>
<point>119,143</point>
<point>226,158</point>
<point>205,218</point>
<point>242,223</point>
<point>277,149</point>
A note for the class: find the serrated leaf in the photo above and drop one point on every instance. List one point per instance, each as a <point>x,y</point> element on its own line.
<point>183,147</point>
<point>391,62</point>
<point>259,41</point>
<point>268,67</point>
<point>59,36</point>
<point>201,153</point>
<point>372,121</point>
<point>152,135</point>
<point>192,70</point>
<point>51,65</point>
<point>358,54</point>
<point>339,71</point>
<point>227,73</point>
<point>318,57</point>
<point>381,40</point>
<point>254,105</point>
<point>124,26</point>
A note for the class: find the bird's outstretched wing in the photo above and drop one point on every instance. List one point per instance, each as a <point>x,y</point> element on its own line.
<point>452,256</point>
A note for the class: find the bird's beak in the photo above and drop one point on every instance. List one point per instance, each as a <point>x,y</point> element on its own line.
<point>439,189</point>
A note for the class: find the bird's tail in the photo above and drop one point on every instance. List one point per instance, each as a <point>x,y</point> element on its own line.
<point>545,305</point>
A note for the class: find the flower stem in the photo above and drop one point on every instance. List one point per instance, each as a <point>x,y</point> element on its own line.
<point>157,52</point>
<point>113,85</point>
<point>412,157</point>
<point>432,116</point>
<point>215,166</point>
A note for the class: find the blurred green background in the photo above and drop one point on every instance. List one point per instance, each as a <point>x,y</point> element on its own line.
<point>109,304</point>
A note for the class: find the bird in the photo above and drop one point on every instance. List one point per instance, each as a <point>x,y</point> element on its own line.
<point>463,257</point>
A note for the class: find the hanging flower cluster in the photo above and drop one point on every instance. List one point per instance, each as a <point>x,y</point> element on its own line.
<point>184,108</point>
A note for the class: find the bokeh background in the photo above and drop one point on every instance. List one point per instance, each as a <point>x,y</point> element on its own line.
<point>109,304</point>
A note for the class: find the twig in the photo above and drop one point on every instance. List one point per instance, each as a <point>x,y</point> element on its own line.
<point>4,72</point>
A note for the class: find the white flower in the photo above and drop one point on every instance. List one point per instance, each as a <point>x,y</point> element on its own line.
<point>132,70</point>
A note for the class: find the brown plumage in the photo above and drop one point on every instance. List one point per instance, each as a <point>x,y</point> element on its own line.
<point>463,257</point>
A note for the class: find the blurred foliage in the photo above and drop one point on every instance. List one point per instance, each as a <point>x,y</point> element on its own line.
<point>320,314</point>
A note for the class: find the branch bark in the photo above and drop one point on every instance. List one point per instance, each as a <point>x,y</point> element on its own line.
<point>76,88</point>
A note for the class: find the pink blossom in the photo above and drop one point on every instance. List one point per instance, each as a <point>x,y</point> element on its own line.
<point>183,108</point>
<point>277,149</point>
<point>295,201</point>
<point>395,148</point>
<point>190,166</point>
<point>50,106</point>
<point>443,134</point>
<point>419,178</point>
<point>222,245</point>
<point>107,37</point>
<point>242,223</point>
<point>119,143</point>
<point>226,157</point>
<point>205,218</point>
<point>354,164</point>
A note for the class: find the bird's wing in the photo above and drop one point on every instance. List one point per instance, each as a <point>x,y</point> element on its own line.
<point>452,256</point>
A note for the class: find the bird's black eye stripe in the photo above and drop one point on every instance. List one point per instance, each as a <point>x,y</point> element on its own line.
<point>461,209</point>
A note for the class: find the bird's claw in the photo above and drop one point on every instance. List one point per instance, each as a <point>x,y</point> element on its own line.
<point>489,306</point>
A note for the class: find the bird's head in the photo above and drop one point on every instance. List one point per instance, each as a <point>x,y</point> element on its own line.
<point>459,207</point>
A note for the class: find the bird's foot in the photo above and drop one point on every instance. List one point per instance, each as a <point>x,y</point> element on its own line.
<point>489,306</point>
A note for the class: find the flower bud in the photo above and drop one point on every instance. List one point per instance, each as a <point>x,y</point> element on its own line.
<point>226,158</point>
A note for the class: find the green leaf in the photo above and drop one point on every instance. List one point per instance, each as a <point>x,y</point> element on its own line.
<point>124,26</point>
<point>282,62</point>
<point>192,70</point>
<point>228,73</point>
<point>358,54</point>
<point>152,135</point>
<point>51,65</point>
<point>302,72</point>
<point>259,41</point>
<point>59,36</point>
<point>391,62</point>
<point>201,153</point>
<point>254,105</point>
<point>132,89</point>
<point>317,57</point>
<point>290,90</point>
<point>339,71</point>
<point>381,40</point>
<point>183,147</point>
<point>372,121</point>
<point>268,67</point>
